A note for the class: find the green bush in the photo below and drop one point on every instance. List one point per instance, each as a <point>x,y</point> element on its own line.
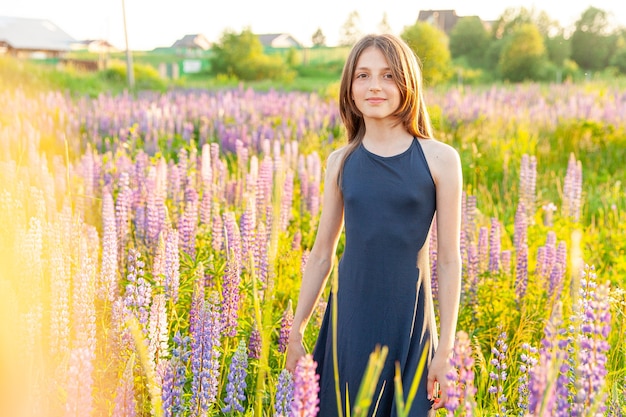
<point>146,76</point>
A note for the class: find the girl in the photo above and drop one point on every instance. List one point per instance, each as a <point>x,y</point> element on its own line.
<point>385,186</point>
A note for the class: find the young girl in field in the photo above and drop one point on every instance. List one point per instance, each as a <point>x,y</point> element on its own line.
<point>385,186</point>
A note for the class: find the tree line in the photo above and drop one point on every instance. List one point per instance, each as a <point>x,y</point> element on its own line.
<point>522,45</point>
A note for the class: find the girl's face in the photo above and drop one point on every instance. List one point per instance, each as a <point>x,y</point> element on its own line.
<point>374,90</point>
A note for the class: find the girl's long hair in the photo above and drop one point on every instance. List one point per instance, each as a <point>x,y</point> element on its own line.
<point>405,68</point>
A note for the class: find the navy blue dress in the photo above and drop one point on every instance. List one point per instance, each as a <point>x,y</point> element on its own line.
<point>384,295</point>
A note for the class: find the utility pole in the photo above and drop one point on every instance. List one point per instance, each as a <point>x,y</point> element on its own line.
<point>130,73</point>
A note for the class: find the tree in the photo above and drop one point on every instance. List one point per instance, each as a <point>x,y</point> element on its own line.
<point>241,56</point>
<point>431,46</point>
<point>383,26</point>
<point>318,38</point>
<point>592,44</point>
<point>523,54</point>
<point>469,38</point>
<point>558,48</point>
<point>350,32</point>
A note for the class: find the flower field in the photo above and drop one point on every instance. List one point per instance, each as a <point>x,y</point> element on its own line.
<point>151,250</point>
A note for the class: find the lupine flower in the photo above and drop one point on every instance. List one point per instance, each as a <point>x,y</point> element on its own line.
<point>284,394</point>
<point>483,249</point>
<point>59,299</point>
<point>432,246</point>
<point>494,247</point>
<point>138,293</point>
<point>505,261</point>
<point>231,297</point>
<point>565,360</point>
<point>108,278</point>
<point>217,233</point>
<point>286,202</point>
<point>521,272</point>
<point>461,389</point>
<point>572,189</point>
<point>528,360</point>
<point>235,389</point>
<point>542,394</point>
<point>157,330</point>
<point>248,228</point>
<point>80,382</point>
<point>594,331</point>
<point>527,185</point>
<point>172,265</point>
<point>285,328</point>
<point>125,403</point>
<point>499,374</point>
<point>174,377</point>
<point>205,366</point>
<point>520,231</point>
<point>306,387</point>
<point>187,223</point>
<point>254,343</point>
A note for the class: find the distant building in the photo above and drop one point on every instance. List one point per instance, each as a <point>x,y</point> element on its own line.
<point>445,20</point>
<point>192,42</point>
<point>441,19</point>
<point>97,46</point>
<point>279,40</point>
<point>33,38</point>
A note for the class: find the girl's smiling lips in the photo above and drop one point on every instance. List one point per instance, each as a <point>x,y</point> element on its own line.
<point>375,100</point>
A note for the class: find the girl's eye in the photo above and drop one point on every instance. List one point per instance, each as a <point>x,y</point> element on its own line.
<point>388,76</point>
<point>361,75</point>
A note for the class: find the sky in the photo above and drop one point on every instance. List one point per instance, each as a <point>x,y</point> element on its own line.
<point>156,23</point>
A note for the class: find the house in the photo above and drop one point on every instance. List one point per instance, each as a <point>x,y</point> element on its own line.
<point>279,40</point>
<point>97,46</point>
<point>441,19</point>
<point>33,38</point>
<point>193,42</point>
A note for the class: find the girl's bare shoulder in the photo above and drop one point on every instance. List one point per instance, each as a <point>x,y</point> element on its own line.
<point>441,157</point>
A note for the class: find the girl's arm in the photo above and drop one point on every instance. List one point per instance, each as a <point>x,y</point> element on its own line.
<point>320,261</point>
<point>449,183</point>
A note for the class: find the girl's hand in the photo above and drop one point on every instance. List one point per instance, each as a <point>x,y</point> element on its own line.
<point>437,382</point>
<point>295,350</point>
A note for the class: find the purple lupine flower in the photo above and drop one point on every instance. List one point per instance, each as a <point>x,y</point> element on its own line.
<point>521,272</point>
<point>499,374</point>
<point>217,233</point>
<point>432,246</point>
<point>528,179</point>
<point>235,389</point>
<point>155,214</point>
<point>171,265</point>
<point>205,344</point>
<point>520,231</point>
<point>529,359</point>
<point>461,389</point>
<point>565,360</point>
<point>125,402</point>
<point>264,185</point>
<point>472,274</point>
<point>80,382</point>
<point>284,394</point>
<point>138,293</point>
<point>248,228</point>
<point>187,223</point>
<point>123,210</point>
<point>175,377</point>
<point>540,392</point>
<point>108,279</point>
<point>494,247</point>
<point>572,189</point>
<point>305,388</point>
<point>262,254</point>
<point>231,297</point>
<point>254,343</point>
<point>505,261</point>
<point>233,239</point>
<point>158,262</point>
<point>555,282</point>
<point>593,344</point>
<point>483,249</point>
<point>59,296</point>
<point>285,328</point>
<point>157,330</point>
<point>286,202</point>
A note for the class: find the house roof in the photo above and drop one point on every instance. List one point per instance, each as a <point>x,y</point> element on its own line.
<point>443,19</point>
<point>192,41</point>
<point>33,34</point>
<point>280,40</point>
